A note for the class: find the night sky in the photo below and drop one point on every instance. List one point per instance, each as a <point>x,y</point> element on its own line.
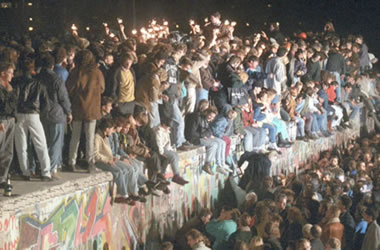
<point>348,16</point>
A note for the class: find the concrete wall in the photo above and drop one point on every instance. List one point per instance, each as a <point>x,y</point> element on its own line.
<point>79,214</point>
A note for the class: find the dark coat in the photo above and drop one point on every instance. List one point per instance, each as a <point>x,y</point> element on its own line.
<point>349,230</point>
<point>59,102</point>
<point>197,127</point>
<point>85,90</point>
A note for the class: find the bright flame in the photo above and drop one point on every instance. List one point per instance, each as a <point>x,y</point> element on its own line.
<point>74,27</point>
<point>166,23</point>
<point>112,35</point>
<point>119,20</point>
<point>30,28</point>
<point>30,4</point>
<point>134,32</point>
<point>30,19</point>
<point>88,28</point>
<point>233,24</point>
<point>154,22</point>
<point>226,22</point>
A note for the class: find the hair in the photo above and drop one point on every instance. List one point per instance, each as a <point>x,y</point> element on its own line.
<point>316,231</point>
<point>105,100</point>
<point>167,245</point>
<point>5,66</point>
<point>126,57</point>
<point>60,54</point>
<point>295,214</point>
<point>85,60</point>
<point>234,59</point>
<point>204,212</point>
<point>105,123</point>
<point>197,236</point>
<point>346,201</point>
<point>121,121</point>
<point>240,245</point>
<point>334,243</point>
<point>245,220</point>
<point>373,212</point>
<point>271,229</point>
<point>301,244</point>
<point>231,114</point>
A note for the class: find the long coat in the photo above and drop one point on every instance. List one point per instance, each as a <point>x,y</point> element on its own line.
<point>85,90</point>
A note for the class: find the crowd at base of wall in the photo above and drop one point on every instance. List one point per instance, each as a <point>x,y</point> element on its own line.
<point>79,214</point>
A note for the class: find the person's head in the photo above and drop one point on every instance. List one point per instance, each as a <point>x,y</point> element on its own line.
<point>186,63</point>
<point>215,18</point>
<point>167,245</point>
<point>60,55</point>
<point>333,244</point>
<point>120,122</point>
<point>106,103</point>
<point>316,231</point>
<point>295,215</point>
<point>194,237</point>
<point>160,58</point>
<point>108,59</point>
<point>333,212</point>
<point>256,243</point>
<point>344,203</point>
<point>370,214</point>
<point>126,60</point>
<point>282,52</point>
<point>6,71</point>
<point>129,122</point>
<point>335,161</point>
<point>234,61</point>
<point>245,220</point>
<point>231,114</point>
<point>106,126</point>
<point>281,200</point>
<point>240,245</point>
<point>271,229</point>
<point>303,244</point>
<point>253,62</point>
<point>359,39</point>
<point>205,215</point>
<point>211,113</point>
<point>203,105</point>
<point>306,231</point>
<point>85,60</point>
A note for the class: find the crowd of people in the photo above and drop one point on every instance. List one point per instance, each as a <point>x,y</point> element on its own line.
<point>332,204</point>
<point>126,103</point>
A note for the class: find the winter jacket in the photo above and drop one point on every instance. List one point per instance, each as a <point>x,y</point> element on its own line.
<point>8,102</point>
<point>221,126</point>
<point>197,127</point>
<point>32,96</point>
<point>85,90</point>
<point>59,102</point>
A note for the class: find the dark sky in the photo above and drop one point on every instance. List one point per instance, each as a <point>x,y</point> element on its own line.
<point>348,16</point>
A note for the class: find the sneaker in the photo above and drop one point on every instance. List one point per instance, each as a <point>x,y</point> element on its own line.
<point>207,169</point>
<point>179,180</point>
<point>273,147</point>
<point>161,178</point>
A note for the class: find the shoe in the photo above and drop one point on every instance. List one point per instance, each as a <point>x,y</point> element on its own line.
<point>153,192</point>
<point>326,134</point>
<point>70,168</point>
<point>161,178</point>
<point>272,146</point>
<point>55,176</point>
<point>26,177</point>
<point>125,200</point>
<point>179,180</point>
<point>263,151</point>
<point>134,197</point>
<point>142,191</point>
<point>187,144</point>
<point>47,179</point>
<point>283,144</point>
<point>152,185</point>
<point>207,169</point>
<point>142,199</point>
<point>166,190</point>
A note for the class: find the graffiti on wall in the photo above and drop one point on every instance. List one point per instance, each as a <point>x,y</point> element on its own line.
<point>74,222</point>
<point>8,232</point>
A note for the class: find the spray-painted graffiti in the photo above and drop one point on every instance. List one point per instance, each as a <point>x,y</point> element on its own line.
<point>72,223</point>
<point>8,232</point>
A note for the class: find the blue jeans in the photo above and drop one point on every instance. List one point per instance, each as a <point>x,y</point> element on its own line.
<point>172,159</point>
<point>272,131</point>
<point>121,175</point>
<point>55,133</point>
<point>254,138</point>
<point>215,150</point>
<point>202,94</point>
<point>300,126</point>
<point>319,122</point>
<point>178,125</point>
<point>337,90</point>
